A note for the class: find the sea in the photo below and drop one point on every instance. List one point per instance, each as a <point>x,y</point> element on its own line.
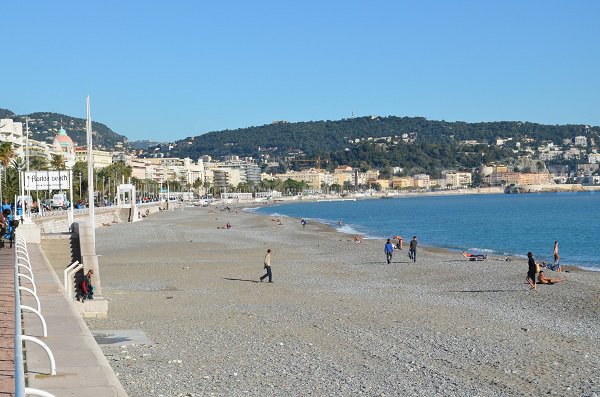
<point>502,224</point>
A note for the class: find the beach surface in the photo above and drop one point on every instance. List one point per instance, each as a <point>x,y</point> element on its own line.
<point>338,320</point>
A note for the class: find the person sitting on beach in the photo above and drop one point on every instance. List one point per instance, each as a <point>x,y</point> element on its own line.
<point>357,239</point>
<point>400,242</point>
<point>474,257</point>
<point>542,279</point>
<point>87,289</point>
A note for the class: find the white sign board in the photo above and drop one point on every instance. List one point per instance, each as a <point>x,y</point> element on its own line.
<point>47,180</point>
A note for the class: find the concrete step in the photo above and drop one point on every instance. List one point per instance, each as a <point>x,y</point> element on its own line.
<point>61,252</point>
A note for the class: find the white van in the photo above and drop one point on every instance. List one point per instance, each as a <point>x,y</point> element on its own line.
<point>59,200</point>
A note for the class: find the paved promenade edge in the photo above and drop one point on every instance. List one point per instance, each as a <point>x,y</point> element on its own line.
<point>81,367</point>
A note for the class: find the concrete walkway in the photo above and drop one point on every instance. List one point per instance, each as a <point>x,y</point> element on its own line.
<point>81,367</point>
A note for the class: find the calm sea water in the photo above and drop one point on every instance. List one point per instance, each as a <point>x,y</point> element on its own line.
<point>497,224</point>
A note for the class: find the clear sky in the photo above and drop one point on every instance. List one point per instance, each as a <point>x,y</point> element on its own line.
<point>168,70</point>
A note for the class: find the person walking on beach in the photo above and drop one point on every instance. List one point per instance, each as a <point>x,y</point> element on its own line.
<point>412,249</point>
<point>267,266</point>
<point>556,266</point>
<point>388,248</point>
<point>303,223</point>
<point>531,270</point>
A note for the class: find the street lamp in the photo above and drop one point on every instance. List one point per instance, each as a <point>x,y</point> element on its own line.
<point>79,185</point>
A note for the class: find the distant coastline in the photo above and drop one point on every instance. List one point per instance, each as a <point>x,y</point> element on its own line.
<point>502,241</point>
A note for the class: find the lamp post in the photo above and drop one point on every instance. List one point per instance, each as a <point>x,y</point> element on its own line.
<point>79,174</point>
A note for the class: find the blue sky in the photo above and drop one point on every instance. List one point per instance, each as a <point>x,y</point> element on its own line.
<point>168,70</point>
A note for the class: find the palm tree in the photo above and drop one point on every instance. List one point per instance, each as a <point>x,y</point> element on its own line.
<point>38,163</point>
<point>6,154</point>
<point>58,162</point>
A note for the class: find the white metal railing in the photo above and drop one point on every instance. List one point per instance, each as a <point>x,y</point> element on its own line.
<point>20,389</point>
<point>68,274</point>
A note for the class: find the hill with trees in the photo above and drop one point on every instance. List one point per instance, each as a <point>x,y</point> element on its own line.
<point>377,142</point>
<point>44,125</point>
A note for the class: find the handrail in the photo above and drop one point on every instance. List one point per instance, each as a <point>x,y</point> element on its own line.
<point>39,306</point>
<point>73,268</point>
<point>18,345</point>
<point>37,313</point>
<point>26,267</point>
<point>46,348</point>
<point>20,389</point>
<point>26,260</point>
<point>66,271</point>
<point>37,392</point>
<point>28,278</point>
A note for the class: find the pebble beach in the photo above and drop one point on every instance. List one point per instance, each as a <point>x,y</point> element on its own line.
<point>338,320</point>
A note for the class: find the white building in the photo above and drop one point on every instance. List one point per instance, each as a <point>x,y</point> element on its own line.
<point>11,131</point>
<point>581,141</point>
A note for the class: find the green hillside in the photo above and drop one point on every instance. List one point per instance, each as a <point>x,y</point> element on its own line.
<point>44,125</point>
<point>329,136</point>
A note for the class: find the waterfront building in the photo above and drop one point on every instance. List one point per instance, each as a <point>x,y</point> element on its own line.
<point>312,177</point>
<point>402,182</point>
<point>534,179</point>
<point>455,180</point>
<point>249,171</point>
<point>225,177</point>
<point>502,178</point>
<point>422,181</point>
<point>63,145</point>
<point>101,158</point>
<point>12,131</point>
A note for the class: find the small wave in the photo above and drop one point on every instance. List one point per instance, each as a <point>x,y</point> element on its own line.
<point>588,268</point>
<point>347,229</point>
<point>483,250</point>
<point>278,215</point>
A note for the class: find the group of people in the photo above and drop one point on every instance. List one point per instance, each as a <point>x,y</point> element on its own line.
<point>389,248</point>
<point>535,268</point>
<point>7,225</point>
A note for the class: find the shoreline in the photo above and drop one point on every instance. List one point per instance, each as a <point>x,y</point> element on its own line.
<point>248,208</point>
<point>337,320</point>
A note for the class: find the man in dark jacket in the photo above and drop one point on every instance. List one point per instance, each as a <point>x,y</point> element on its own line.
<point>389,250</point>
<point>412,252</point>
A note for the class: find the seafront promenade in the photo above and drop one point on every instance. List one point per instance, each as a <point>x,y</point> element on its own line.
<point>80,365</point>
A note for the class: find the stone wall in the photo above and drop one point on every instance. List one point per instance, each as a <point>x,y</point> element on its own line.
<point>57,222</point>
